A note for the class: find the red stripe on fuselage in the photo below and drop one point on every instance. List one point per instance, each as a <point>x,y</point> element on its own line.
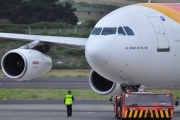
<point>173,6</point>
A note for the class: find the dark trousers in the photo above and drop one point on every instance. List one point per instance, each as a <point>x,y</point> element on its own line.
<point>69,110</point>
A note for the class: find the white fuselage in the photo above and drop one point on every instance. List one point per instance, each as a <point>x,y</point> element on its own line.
<point>151,56</point>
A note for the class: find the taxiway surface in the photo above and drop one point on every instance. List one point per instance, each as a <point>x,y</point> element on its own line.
<point>45,83</point>
<point>84,111</point>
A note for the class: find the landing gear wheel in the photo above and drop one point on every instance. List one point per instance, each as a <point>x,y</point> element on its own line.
<point>131,88</point>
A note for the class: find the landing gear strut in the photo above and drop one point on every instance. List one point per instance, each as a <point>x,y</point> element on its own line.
<point>132,88</point>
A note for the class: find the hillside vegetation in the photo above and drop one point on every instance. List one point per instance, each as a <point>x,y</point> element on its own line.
<point>124,2</point>
<point>32,11</point>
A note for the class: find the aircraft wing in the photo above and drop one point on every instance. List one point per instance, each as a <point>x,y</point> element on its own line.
<point>66,41</point>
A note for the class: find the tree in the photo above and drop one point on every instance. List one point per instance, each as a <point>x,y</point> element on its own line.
<point>44,1</point>
<point>7,7</point>
<point>70,15</point>
<point>26,12</point>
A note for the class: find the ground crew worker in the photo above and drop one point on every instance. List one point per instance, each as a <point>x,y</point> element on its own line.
<point>110,99</point>
<point>68,101</point>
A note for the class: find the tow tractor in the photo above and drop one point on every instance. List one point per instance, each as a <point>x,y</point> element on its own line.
<point>145,105</point>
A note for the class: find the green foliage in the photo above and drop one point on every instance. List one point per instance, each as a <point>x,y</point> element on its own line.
<point>13,30</point>
<point>39,25</point>
<point>177,96</point>
<point>44,1</point>
<point>33,11</point>
<point>77,35</point>
<point>83,6</point>
<point>4,21</point>
<point>48,94</point>
<point>90,23</point>
<point>49,25</point>
<point>72,62</point>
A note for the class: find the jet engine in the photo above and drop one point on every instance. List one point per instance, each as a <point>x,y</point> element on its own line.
<point>25,64</point>
<point>102,85</point>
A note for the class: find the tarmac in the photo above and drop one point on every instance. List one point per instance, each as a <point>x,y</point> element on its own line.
<point>61,107</point>
<point>57,107</point>
<point>39,110</point>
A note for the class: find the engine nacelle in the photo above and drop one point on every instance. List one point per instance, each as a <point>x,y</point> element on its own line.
<point>25,64</point>
<point>103,86</point>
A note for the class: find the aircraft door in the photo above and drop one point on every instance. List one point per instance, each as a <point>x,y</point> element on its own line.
<point>163,43</point>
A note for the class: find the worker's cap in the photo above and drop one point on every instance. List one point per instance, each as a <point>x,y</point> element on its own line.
<point>69,92</point>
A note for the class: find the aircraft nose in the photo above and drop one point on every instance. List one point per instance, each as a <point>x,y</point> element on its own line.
<point>98,53</point>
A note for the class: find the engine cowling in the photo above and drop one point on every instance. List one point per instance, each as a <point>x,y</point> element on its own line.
<point>102,85</point>
<point>25,64</point>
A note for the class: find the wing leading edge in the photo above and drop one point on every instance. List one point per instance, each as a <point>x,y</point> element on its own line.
<point>66,41</point>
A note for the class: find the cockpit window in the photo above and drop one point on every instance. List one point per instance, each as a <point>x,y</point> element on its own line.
<point>121,31</point>
<point>128,31</point>
<point>96,31</point>
<point>109,31</point>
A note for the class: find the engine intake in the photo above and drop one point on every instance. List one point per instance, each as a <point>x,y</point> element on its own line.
<point>25,64</point>
<point>102,85</point>
<point>14,64</point>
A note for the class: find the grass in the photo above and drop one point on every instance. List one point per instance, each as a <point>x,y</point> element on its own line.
<point>67,73</point>
<point>62,73</point>
<point>2,74</point>
<point>51,94</point>
<point>48,94</point>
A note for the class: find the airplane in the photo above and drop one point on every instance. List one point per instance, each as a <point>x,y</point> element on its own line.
<point>132,46</point>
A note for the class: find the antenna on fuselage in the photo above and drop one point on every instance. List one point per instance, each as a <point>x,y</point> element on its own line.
<point>149,1</point>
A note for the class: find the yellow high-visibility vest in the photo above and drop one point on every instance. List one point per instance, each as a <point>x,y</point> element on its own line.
<point>69,100</point>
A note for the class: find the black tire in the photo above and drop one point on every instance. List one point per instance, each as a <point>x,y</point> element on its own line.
<point>120,110</point>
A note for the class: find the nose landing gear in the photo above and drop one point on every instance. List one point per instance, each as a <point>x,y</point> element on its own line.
<point>132,88</point>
